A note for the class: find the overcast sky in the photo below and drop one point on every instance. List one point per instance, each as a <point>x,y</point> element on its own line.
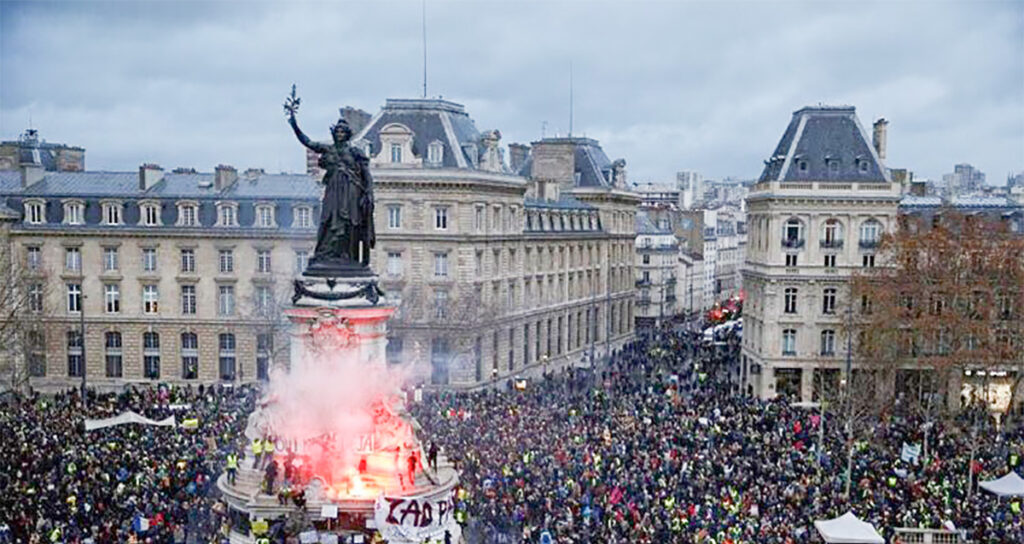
<point>706,86</point>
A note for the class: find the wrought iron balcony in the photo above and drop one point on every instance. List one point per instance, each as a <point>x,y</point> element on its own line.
<point>793,242</point>
<point>868,244</point>
<point>642,282</point>
<point>643,302</point>
<point>831,244</point>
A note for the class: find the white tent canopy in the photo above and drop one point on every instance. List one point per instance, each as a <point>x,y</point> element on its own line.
<point>1010,485</point>
<point>848,529</point>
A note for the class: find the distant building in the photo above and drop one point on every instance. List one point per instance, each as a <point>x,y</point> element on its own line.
<point>657,271</point>
<point>53,157</point>
<point>964,180</point>
<point>691,187</point>
<point>1015,180</point>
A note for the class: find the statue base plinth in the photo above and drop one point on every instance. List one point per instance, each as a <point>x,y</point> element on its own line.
<point>337,292</point>
<point>336,268</point>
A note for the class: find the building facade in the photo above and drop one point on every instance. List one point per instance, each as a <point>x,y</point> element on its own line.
<point>174,278</point>
<point>657,272</point>
<point>500,269</point>
<point>816,214</point>
<point>181,276</point>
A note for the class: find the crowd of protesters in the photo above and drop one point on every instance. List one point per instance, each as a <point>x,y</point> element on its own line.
<point>123,483</point>
<point>659,445</point>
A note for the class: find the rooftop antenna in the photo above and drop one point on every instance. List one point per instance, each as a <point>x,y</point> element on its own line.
<point>570,99</point>
<point>543,129</point>
<point>424,21</point>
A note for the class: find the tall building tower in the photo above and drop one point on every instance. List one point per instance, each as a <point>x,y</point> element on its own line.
<point>815,215</point>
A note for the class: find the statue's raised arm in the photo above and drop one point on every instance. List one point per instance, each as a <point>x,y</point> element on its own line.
<point>291,105</point>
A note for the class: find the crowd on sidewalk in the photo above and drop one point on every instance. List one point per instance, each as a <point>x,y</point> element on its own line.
<point>123,483</point>
<point>659,445</point>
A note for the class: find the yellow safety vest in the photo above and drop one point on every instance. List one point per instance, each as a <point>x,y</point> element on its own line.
<point>257,446</point>
<point>268,446</point>
<point>232,461</point>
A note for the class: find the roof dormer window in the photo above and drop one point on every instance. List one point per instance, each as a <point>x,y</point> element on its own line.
<point>188,214</point>
<point>435,153</point>
<point>833,166</point>
<point>396,146</point>
<point>227,214</point>
<point>302,217</point>
<point>862,165</point>
<point>74,212</point>
<point>802,166</point>
<point>112,213</point>
<point>149,214</point>
<point>265,216</point>
<point>35,212</point>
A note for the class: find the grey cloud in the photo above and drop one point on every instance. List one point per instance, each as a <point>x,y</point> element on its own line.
<point>668,85</point>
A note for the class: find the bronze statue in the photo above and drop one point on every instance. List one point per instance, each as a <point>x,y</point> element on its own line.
<point>346,232</point>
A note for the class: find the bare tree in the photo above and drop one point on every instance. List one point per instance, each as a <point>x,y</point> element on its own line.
<point>945,302</point>
<point>456,318</point>
<point>22,309</point>
<point>265,316</point>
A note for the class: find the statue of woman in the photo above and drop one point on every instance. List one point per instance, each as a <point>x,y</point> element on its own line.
<point>346,232</point>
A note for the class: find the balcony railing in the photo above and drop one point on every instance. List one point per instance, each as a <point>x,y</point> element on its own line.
<point>868,244</point>
<point>793,242</point>
<point>831,244</point>
<point>642,282</point>
<point>670,281</point>
<point>643,302</point>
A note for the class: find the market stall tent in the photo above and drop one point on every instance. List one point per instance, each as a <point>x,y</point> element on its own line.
<point>1010,485</point>
<point>848,529</point>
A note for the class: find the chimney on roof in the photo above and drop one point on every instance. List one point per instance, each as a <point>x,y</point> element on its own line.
<point>29,162</point>
<point>224,176</point>
<point>149,175</point>
<point>878,138</point>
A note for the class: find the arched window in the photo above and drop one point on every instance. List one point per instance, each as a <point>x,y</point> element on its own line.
<point>832,234</point>
<point>793,233</point>
<point>870,233</point>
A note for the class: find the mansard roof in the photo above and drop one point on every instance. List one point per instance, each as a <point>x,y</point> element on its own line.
<point>592,166</point>
<point>819,135</point>
<point>173,185</point>
<point>429,119</point>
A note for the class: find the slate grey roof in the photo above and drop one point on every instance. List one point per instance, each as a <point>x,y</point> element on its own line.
<point>285,190</point>
<point>983,201</point>
<point>592,167</point>
<point>644,225</point>
<point>818,135</point>
<point>6,211</point>
<point>429,119</point>
<point>564,202</point>
<point>126,185</point>
<point>45,152</point>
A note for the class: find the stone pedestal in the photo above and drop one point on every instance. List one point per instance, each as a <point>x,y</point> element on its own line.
<point>338,351</point>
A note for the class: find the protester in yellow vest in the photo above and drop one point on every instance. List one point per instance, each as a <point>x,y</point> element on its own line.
<point>232,466</point>
<point>257,452</point>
